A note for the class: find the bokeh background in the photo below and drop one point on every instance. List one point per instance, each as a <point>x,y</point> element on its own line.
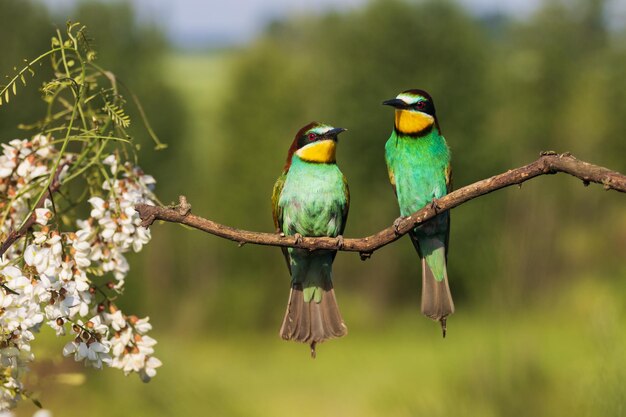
<point>538,272</point>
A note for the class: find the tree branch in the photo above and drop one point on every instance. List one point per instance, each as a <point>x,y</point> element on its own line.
<point>548,163</point>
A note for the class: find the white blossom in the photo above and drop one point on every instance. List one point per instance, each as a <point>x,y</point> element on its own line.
<point>58,277</point>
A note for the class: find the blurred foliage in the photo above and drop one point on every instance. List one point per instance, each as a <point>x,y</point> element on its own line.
<point>535,271</point>
<point>505,90</point>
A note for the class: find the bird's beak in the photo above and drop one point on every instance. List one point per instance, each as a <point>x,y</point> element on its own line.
<point>395,102</point>
<point>332,133</point>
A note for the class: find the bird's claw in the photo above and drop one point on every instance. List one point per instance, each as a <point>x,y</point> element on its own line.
<point>339,242</point>
<point>396,225</point>
<point>298,238</point>
<point>434,205</point>
<point>313,353</point>
<point>444,329</point>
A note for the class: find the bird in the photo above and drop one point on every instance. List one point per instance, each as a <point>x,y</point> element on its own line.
<point>311,198</point>
<point>418,164</point>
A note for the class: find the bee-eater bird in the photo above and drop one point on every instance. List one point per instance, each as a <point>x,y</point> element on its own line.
<point>418,163</point>
<point>311,198</point>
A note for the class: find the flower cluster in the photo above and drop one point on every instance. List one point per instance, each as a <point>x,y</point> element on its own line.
<point>67,275</point>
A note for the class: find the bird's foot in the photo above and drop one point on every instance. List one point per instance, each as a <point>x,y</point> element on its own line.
<point>298,238</point>
<point>396,225</point>
<point>444,329</point>
<point>434,205</point>
<point>339,242</point>
<point>313,353</point>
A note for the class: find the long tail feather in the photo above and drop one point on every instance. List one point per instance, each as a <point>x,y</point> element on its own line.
<point>312,322</point>
<point>437,301</point>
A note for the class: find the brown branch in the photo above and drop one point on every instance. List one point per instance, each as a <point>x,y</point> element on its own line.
<point>548,163</point>
<point>17,234</point>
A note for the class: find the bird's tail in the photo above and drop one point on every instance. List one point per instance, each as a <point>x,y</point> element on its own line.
<point>437,301</point>
<point>312,321</point>
<point>436,297</point>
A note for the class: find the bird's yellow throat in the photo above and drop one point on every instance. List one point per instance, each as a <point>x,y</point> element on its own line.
<point>410,122</point>
<point>320,152</point>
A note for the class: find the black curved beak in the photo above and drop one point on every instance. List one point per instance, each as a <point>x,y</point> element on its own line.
<point>395,102</point>
<point>332,133</point>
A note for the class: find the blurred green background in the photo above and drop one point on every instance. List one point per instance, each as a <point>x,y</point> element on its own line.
<point>537,272</point>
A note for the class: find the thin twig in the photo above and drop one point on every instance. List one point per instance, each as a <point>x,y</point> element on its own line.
<point>548,163</point>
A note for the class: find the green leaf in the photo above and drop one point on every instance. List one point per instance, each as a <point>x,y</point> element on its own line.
<point>117,114</point>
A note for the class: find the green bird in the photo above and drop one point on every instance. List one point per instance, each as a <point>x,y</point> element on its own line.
<point>311,198</point>
<point>418,163</point>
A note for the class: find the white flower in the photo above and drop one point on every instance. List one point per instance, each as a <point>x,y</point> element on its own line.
<point>149,371</point>
<point>99,207</point>
<point>109,227</point>
<point>40,238</point>
<point>55,284</point>
<point>37,256</point>
<point>111,160</point>
<point>116,320</point>
<point>93,352</point>
<point>42,216</point>
<point>142,326</point>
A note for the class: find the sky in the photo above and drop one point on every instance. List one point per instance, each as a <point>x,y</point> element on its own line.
<point>199,22</point>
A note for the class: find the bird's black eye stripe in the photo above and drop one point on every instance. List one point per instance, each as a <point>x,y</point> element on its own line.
<point>425,106</point>
<point>306,139</point>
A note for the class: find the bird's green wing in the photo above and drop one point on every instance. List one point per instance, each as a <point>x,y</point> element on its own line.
<point>448,190</point>
<point>277,211</point>
<point>392,178</point>
<point>346,208</point>
<point>448,179</point>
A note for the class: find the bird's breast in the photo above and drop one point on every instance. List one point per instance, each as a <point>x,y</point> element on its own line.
<point>313,201</point>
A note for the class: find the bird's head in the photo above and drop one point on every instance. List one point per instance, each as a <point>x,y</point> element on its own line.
<point>415,112</point>
<point>315,142</point>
